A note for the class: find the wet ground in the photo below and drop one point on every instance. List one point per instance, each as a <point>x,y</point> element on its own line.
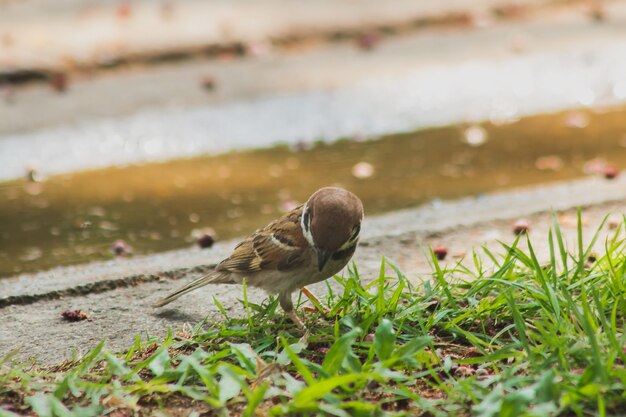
<point>77,218</point>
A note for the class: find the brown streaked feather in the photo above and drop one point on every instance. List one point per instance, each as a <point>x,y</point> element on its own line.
<point>280,245</point>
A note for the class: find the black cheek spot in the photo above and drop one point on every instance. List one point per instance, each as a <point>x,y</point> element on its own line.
<point>306,219</point>
<point>346,253</point>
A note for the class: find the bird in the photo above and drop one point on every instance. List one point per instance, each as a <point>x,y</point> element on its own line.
<point>308,244</point>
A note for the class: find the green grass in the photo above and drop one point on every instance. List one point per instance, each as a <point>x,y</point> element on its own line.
<point>515,338</point>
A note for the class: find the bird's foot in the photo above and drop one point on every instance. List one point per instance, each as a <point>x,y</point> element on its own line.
<point>297,320</point>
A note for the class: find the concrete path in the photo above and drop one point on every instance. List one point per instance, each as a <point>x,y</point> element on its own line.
<point>118,294</point>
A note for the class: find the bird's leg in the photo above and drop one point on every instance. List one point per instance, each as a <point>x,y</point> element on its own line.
<point>315,301</point>
<point>287,305</point>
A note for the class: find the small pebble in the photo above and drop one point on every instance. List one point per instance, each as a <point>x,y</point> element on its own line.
<point>206,240</point>
<point>440,252</point>
<point>74,315</point>
<point>610,172</point>
<point>120,248</point>
<point>521,227</point>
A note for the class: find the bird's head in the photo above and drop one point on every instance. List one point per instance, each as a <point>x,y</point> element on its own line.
<point>331,221</point>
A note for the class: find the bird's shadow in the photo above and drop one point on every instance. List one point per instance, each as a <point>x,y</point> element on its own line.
<point>177,315</point>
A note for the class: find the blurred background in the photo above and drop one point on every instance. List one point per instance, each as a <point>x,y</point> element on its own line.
<point>134,127</point>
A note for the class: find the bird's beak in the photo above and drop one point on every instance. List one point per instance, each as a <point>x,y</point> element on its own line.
<point>322,258</point>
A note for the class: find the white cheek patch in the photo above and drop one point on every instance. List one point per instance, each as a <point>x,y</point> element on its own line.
<point>306,228</point>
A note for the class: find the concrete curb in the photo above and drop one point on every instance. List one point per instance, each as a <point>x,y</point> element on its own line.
<point>110,34</point>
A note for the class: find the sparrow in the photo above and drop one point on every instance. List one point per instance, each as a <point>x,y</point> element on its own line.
<point>309,244</point>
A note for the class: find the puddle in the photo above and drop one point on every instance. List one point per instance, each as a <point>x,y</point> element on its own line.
<point>70,219</point>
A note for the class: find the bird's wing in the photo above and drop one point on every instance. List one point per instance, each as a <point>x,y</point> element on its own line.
<point>278,246</point>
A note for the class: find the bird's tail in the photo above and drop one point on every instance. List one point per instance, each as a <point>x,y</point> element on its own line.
<point>213,277</point>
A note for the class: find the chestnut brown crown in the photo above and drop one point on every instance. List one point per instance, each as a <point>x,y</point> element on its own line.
<point>333,218</point>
